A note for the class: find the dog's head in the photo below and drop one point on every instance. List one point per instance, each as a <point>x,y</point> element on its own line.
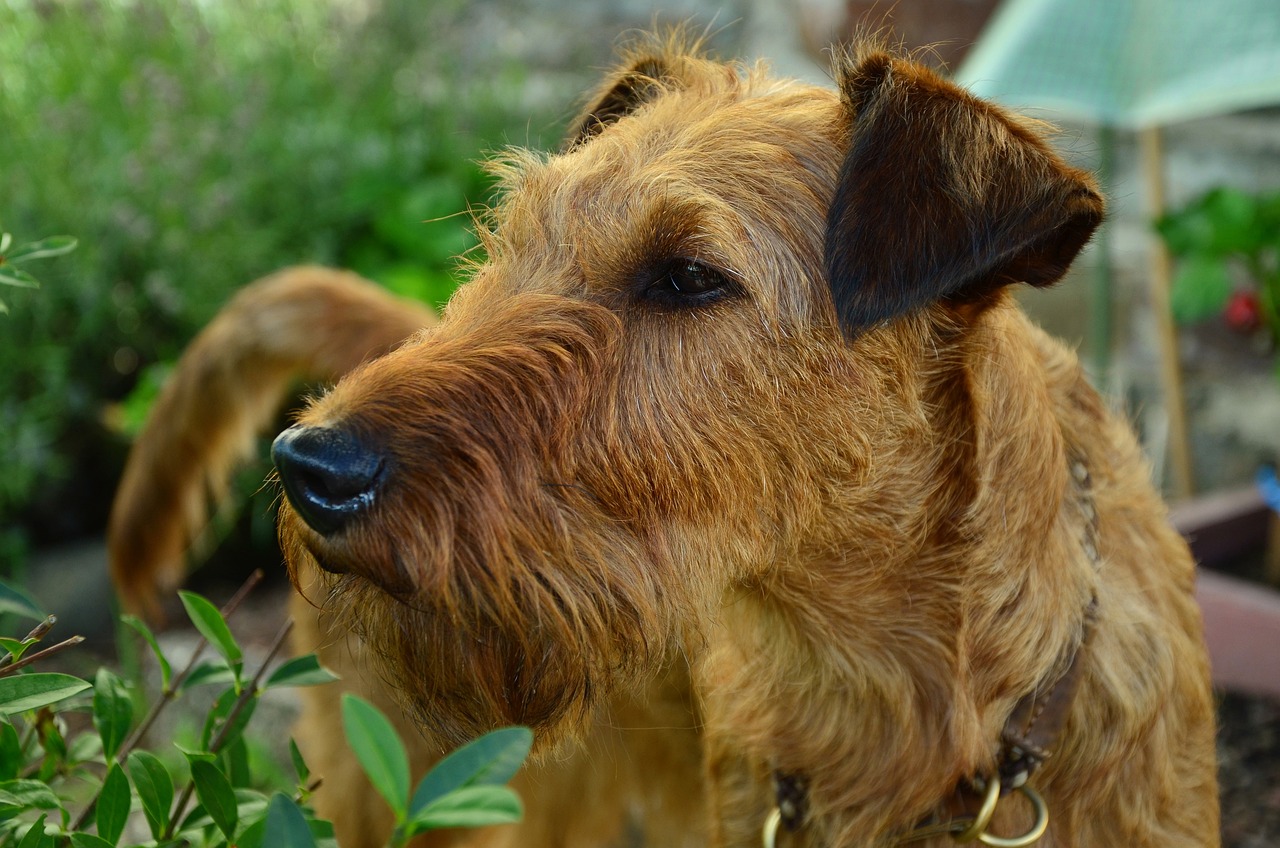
<point>698,328</point>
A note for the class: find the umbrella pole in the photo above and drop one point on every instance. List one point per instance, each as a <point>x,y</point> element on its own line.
<point>1183,481</point>
<point>1100,322</point>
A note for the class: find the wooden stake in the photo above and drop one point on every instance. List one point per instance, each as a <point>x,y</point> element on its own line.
<point>1179,448</point>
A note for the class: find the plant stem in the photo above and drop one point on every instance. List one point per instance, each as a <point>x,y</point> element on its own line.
<point>39,655</point>
<point>251,691</point>
<point>305,792</point>
<point>175,685</point>
<point>248,694</point>
<point>169,695</point>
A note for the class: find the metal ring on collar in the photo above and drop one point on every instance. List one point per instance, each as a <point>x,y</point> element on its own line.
<point>978,827</point>
<point>770,833</point>
<point>1035,832</point>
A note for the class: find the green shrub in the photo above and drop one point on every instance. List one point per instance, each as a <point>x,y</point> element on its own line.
<point>192,147</point>
<point>65,781</point>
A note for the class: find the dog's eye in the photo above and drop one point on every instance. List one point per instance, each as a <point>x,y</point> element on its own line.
<point>687,282</point>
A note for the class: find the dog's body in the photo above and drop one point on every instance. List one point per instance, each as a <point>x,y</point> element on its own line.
<point>737,474</point>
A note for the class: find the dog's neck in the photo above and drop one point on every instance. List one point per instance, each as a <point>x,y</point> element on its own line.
<point>906,664</point>
<point>1028,739</point>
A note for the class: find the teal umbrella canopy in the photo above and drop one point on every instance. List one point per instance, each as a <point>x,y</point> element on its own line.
<point>1129,63</point>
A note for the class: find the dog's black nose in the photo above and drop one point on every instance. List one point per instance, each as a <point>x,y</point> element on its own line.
<point>329,476</point>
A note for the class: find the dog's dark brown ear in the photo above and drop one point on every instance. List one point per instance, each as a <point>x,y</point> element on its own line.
<point>622,92</point>
<point>942,195</point>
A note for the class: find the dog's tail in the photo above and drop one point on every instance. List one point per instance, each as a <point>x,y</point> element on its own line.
<point>305,323</point>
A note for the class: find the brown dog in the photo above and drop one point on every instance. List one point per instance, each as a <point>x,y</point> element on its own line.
<point>737,474</point>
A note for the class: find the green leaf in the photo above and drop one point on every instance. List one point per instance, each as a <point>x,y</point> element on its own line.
<point>323,833</point>
<point>55,747</point>
<point>212,626</point>
<point>300,671</point>
<point>155,789</point>
<point>112,711</point>
<point>166,671</point>
<point>36,837</point>
<point>1231,214</point>
<point>18,602</point>
<point>30,794</point>
<point>378,748</point>
<point>88,840</point>
<point>1201,288</point>
<point>208,673</point>
<point>300,766</point>
<point>215,793</point>
<point>10,751</point>
<point>254,836</point>
<point>16,647</point>
<point>112,811</point>
<point>23,692</point>
<point>286,826</point>
<point>9,806</point>
<point>42,249</point>
<point>250,806</point>
<point>1220,223</point>
<point>11,276</point>
<point>217,717</point>
<point>489,760</point>
<point>235,761</point>
<point>471,806</point>
<point>83,748</point>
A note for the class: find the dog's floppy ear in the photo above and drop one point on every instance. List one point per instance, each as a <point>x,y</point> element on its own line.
<point>622,92</point>
<point>942,195</point>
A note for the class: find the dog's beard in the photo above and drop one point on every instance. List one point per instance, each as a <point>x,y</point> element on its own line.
<point>484,643</point>
<point>464,678</point>
<point>495,586</point>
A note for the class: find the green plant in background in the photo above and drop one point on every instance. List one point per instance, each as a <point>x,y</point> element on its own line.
<point>13,256</point>
<point>1227,245</point>
<point>12,273</point>
<point>193,147</point>
<point>67,782</point>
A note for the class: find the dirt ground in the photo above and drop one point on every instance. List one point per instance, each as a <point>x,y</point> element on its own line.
<point>1249,771</point>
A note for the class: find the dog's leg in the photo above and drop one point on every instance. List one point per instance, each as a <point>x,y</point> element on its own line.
<point>302,323</point>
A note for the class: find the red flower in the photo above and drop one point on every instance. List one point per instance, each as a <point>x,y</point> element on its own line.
<point>1243,312</point>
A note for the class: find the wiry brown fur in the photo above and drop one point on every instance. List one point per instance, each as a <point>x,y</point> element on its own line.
<point>824,522</point>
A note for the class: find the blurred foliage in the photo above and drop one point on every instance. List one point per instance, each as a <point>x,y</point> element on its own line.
<point>1227,245</point>
<point>193,147</point>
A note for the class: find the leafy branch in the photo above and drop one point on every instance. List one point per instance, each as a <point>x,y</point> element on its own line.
<point>12,257</point>
<point>104,775</point>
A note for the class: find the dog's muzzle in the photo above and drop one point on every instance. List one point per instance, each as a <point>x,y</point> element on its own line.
<point>329,475</point>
